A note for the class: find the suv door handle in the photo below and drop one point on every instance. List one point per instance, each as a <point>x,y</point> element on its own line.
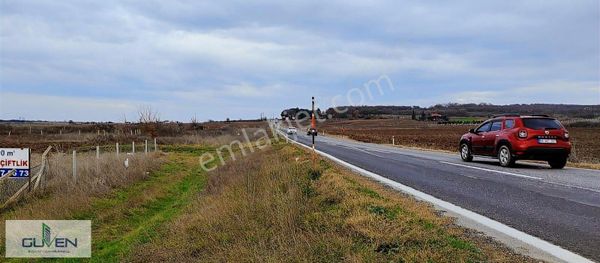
<point>497,135</point>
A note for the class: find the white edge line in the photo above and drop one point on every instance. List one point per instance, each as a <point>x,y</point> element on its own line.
<point>540,244</point>
<point>490,170</point>
<point>525,176</point>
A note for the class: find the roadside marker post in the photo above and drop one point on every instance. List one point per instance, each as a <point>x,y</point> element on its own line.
<point>155,145</point>
<point>133,147</point>
<point>97,152</point>
<point>313,128</point>
<point>393,141</point>
<point>146,147</point>
<point>117,147</point>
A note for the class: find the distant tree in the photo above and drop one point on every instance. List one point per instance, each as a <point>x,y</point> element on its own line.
<point>149,120</point>
<point>147,115</point>
<point>414,115</point>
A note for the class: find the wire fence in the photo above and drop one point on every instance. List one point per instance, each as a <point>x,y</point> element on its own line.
<point>14,188</point>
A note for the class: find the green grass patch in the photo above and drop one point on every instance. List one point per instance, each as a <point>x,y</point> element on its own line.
<point>389,213</point>
<point>141,224</point>
<point>189,149</point>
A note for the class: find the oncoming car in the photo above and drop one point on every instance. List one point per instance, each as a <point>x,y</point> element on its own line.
<point>291,130</point>
<point>515,137</point>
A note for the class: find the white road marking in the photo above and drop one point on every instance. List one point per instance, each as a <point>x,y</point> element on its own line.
<point>494,171</point>
<point>574,186</point>
<point>543,245</point>
<point>385,151</point>
<point>365,151</point>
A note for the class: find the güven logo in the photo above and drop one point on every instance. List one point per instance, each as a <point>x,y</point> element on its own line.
<point>48,241</point>
<point>57,238</point>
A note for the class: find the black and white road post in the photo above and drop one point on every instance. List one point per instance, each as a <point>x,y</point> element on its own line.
<point>312,123</point>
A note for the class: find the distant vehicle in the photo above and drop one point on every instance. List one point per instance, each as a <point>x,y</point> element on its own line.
<point>291,130</point>
<point>311,131</point>
<point>515,137</point>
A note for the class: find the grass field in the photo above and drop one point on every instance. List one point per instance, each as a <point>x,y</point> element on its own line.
<point>586,145</point>
<point>276,207</point>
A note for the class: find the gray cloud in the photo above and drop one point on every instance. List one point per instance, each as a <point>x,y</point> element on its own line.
<point>237,54</point>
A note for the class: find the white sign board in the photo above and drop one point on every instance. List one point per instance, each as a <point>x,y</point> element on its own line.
<point>15,158</point>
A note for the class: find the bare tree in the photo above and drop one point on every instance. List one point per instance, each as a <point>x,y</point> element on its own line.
<point>194,120</point>
<point>149,120</point>
<point>148,115</point>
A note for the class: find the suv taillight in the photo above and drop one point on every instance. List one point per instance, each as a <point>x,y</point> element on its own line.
<point>566,135</point>
<point>523,134</point>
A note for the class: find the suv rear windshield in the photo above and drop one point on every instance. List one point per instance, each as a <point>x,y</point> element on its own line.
<point>541,124</point>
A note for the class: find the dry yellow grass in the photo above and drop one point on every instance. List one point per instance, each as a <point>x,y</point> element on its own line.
<point>274,207</point>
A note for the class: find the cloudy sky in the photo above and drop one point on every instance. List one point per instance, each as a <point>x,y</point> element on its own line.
<point>102,60</point>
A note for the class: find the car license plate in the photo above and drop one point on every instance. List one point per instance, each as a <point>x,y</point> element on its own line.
<point>545,141</point>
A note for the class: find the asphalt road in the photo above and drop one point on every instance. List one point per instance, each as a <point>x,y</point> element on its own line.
<point>559,206</point>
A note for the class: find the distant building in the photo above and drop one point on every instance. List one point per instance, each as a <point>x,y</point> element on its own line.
<point>437,117</point>
<point>433,116</point>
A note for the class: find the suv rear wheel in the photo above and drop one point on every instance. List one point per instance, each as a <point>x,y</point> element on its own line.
<point>505,156</point>
<point>465,153</point>
<point>558,163</point>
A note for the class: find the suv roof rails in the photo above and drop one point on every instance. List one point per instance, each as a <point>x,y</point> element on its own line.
<point>519,115</point>
<point>507,115</point>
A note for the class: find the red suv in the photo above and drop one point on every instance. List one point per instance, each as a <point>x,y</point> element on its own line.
<point>515,137</point>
